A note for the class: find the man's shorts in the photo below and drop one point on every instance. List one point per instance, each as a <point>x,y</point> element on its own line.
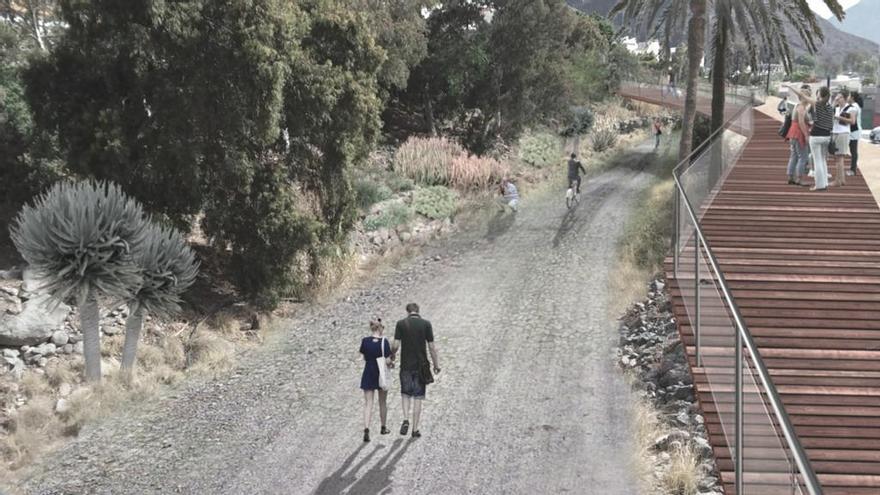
<point>411,385</point>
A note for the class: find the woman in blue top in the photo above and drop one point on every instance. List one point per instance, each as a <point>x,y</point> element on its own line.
<point>373,347</point>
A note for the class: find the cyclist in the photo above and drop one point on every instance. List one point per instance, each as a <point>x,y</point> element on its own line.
<point>575,167</point>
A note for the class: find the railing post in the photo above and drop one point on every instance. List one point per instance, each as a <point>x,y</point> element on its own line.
<point>738,413</point>
<point>676,227</point>
<point>697,323</point>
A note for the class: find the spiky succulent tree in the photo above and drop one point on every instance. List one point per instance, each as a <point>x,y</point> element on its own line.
<point>78,237</point>
<point>168,268</point>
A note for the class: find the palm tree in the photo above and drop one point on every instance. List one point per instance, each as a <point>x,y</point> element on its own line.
<point>168,268</point>
<point>78,238</point>
<point>667,17</point>
<point>761,25</point>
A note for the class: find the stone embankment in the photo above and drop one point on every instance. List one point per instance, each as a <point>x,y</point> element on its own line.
<point>651,352</point>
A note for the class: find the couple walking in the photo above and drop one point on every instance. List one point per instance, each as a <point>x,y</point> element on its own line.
<point>413,338</point>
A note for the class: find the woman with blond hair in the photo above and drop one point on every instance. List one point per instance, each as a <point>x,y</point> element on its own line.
<point>374,348</point>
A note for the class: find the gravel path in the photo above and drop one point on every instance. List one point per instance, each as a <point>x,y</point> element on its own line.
<point>529,400</point>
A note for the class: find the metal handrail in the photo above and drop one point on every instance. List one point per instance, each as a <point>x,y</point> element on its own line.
<point>791,438</point>
<point>743,335</point>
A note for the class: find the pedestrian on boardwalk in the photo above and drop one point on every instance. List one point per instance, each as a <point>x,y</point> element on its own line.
<point>855,104</point>
<point>414,336</point>
<point>798,135</point>
<point>820,133</point>
<point>658,131</point>
<point>840,135</point>
<point>376,351</point>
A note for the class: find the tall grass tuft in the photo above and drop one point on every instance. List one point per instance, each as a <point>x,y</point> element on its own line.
<point>440,162</point>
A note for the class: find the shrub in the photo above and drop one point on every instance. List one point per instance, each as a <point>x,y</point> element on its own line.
<point>579,122</point>
<point>368,192</point>
<point>540,149</point>
<point>474,172</point>
<point>436,202</point>
<point>79,239</point>
<point>427,160</point>
<point>603,139</point>
<point>398,183</point>
<point>439,162</point>
<point>394,215</point>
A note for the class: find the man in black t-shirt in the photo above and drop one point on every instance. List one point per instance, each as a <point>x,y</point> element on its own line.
<point>412,335</point>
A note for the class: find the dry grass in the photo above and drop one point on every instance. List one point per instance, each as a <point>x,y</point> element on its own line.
<point>441,162</point>
<point>59,373</point>
<point>32,429</point>
<point>34,386</point>
<point>683,475</point>
<point>646,427</point>
<point>111,345</point>
<point>209,353</point>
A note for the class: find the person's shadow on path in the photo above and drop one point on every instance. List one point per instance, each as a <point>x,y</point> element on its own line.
<point>568,223</point>
<point>376,480</point>
<point>500,224</point>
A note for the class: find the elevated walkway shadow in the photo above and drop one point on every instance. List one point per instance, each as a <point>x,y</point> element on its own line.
<point>377,478</point>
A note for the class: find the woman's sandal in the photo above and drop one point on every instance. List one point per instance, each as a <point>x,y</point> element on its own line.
<point>384,431</point>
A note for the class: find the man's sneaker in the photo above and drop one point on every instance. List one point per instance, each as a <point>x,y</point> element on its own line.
<point>416,434</point>
<point>850,173</point>
<point>811,174</point>
<point>404,428</point>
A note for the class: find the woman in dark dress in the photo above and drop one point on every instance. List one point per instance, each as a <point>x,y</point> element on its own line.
<point>372,348</point>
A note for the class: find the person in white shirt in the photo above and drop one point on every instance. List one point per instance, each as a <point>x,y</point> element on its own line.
<point>840,136</point>
<point>855,110</point>
<point>509,195</point>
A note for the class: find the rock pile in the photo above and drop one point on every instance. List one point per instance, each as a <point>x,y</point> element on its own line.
<point>35,329</point>
<point>651,351</point>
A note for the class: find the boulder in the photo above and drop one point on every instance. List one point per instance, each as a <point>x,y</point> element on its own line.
<point>60,338</point>
<point>40,316</point>
<point>9,304</point>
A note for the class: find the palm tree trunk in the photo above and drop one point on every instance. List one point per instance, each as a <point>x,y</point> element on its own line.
<point>696,45</point>
<point>719,71</point>
<point>89,321</point>
<point>132,335</point>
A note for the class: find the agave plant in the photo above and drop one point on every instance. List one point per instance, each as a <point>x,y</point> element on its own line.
<point>79,238</point>
<point>168,268</point>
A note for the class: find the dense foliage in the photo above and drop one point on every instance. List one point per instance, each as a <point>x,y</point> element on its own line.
<point>436,202</point>
<point>251,114</point>
<point>494,68</point>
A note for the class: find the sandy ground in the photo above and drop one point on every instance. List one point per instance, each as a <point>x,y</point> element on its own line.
<point>529,400</point>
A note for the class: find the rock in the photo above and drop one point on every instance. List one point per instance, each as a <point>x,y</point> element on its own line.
<point>14,274</point>
<point>65,389</point>
<point>405,236</point>
<point>73,338</point>
<point>702,447</point>
<point>10,353</point>
<point>40,316</point>
<point>62,406</point>
<point>663,442</point>
<point>60,338</point>
<point>9,304</point>
<point>111,330</point>
<point>47,349</point>
<point>78,347</point>
<point>67,349</point>
<point>9,291</point>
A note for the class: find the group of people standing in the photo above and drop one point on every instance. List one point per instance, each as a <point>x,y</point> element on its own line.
<point>413,340</point>
<point>822,127</point>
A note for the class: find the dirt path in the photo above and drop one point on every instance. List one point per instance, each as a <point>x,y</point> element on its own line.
<point>529,400</point>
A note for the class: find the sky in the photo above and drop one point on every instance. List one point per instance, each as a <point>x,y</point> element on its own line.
<point>821,9</point>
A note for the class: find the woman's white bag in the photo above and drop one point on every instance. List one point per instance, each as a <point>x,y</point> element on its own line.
<point>384,372</point>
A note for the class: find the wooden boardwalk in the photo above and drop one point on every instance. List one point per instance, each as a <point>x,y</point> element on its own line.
<point>804,268</point>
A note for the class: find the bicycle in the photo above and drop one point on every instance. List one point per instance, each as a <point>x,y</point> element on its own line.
<point>572,196</point>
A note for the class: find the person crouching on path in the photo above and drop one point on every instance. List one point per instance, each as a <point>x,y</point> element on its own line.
<point>509,195</point>
<point>412,335</point>
<point>373,347</point>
